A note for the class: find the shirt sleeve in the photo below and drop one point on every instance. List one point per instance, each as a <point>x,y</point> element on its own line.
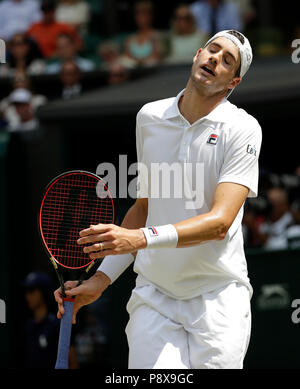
<point>240,164</point>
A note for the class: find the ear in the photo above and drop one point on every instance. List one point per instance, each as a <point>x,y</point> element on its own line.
<point>197,55</point>
<point>234,82</point>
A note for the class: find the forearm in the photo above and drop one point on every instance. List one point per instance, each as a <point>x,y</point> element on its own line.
<point>200,229</point>
<point>213,225</point>
<point>102,279</point>
<point>189,232</point>
<point>136,216</point>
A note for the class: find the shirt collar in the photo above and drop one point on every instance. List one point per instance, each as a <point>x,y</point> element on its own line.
<point>219,114</point>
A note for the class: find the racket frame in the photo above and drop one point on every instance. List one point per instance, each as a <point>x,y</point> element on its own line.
<point>66,322</point>
<point>57,265</point>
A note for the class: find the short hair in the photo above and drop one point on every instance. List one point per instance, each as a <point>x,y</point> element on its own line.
<point>237,35</point>
<point>48,5</point>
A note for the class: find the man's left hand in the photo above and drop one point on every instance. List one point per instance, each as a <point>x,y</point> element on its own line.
<point>108,239</point>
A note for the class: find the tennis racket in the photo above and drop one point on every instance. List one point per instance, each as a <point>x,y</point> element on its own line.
<point>72,201</point>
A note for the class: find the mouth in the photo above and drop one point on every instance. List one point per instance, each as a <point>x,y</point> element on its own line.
<point>208,70</point>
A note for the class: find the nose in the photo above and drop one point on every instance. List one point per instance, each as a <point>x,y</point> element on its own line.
<point>213,60</point>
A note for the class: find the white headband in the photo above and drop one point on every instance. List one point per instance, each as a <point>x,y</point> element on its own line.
<point>244,48</point>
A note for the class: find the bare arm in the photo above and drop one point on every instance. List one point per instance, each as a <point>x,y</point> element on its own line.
<point>228,199</point>
<point>136,215</point>
<point>213,225</point>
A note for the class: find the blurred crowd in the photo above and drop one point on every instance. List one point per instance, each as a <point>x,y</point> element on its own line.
<point>72,38</point>
<point>64,38</point>
<point>272,220</point>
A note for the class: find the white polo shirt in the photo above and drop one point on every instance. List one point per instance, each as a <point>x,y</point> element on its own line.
<point>225,146</point>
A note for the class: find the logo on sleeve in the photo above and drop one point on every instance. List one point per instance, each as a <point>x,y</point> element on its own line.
<point>251,149</point>
<point>213,139</point>
<point>152,231</point>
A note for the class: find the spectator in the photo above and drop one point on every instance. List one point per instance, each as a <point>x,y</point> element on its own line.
<point>21,81</point>
<point>73,12</point>
<point>71,80</point>
<point>144,47</point>
<point>117,74</point>
<point>293,232</point>
<point>20,111</point>
<point>184,39</point>
<point>254,216</point>
<point>17,16</point>
<point>23,55</point>
<point>45,33</point>
<point>42,329</point>
<point>273,230</point>
<point>110,55</point>
<point>66,51</point>
<point>246,10</point>
<point>216,15</point>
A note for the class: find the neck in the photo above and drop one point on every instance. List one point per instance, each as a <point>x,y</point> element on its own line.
<point>40,313</point>
<point>194,105</point>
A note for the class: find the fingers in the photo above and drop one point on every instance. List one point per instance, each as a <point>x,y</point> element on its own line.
<point>75,290</point>
<point>75,310</point>
<point>92,230</point>
<point>102,254</point>
<point>69,285</point>
<point>89,239</point>
<point>108,235</point>
<point>60,302</point>
<point>97,247</point>
<point>97,242</point>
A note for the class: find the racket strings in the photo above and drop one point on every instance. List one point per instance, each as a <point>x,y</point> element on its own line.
<point>72,203</point>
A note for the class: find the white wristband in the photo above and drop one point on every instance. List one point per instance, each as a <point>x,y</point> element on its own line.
<point>114,265</point>
<point>161,236</point>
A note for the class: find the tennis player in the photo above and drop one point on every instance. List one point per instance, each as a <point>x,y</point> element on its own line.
<point>191,304</point>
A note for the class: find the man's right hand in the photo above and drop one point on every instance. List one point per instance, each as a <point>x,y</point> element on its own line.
<point>86,293</point>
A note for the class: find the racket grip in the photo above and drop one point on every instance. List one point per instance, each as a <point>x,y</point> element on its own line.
<point>62,361</point>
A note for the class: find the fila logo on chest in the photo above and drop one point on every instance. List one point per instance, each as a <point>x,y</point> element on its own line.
<point>213,139</point>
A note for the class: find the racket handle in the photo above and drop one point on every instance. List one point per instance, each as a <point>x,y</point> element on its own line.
<point>62,361</point>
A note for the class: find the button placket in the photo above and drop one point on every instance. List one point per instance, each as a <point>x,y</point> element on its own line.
<point>184,146</point>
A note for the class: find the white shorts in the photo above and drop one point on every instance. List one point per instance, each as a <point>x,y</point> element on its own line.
<point>211,331</point>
